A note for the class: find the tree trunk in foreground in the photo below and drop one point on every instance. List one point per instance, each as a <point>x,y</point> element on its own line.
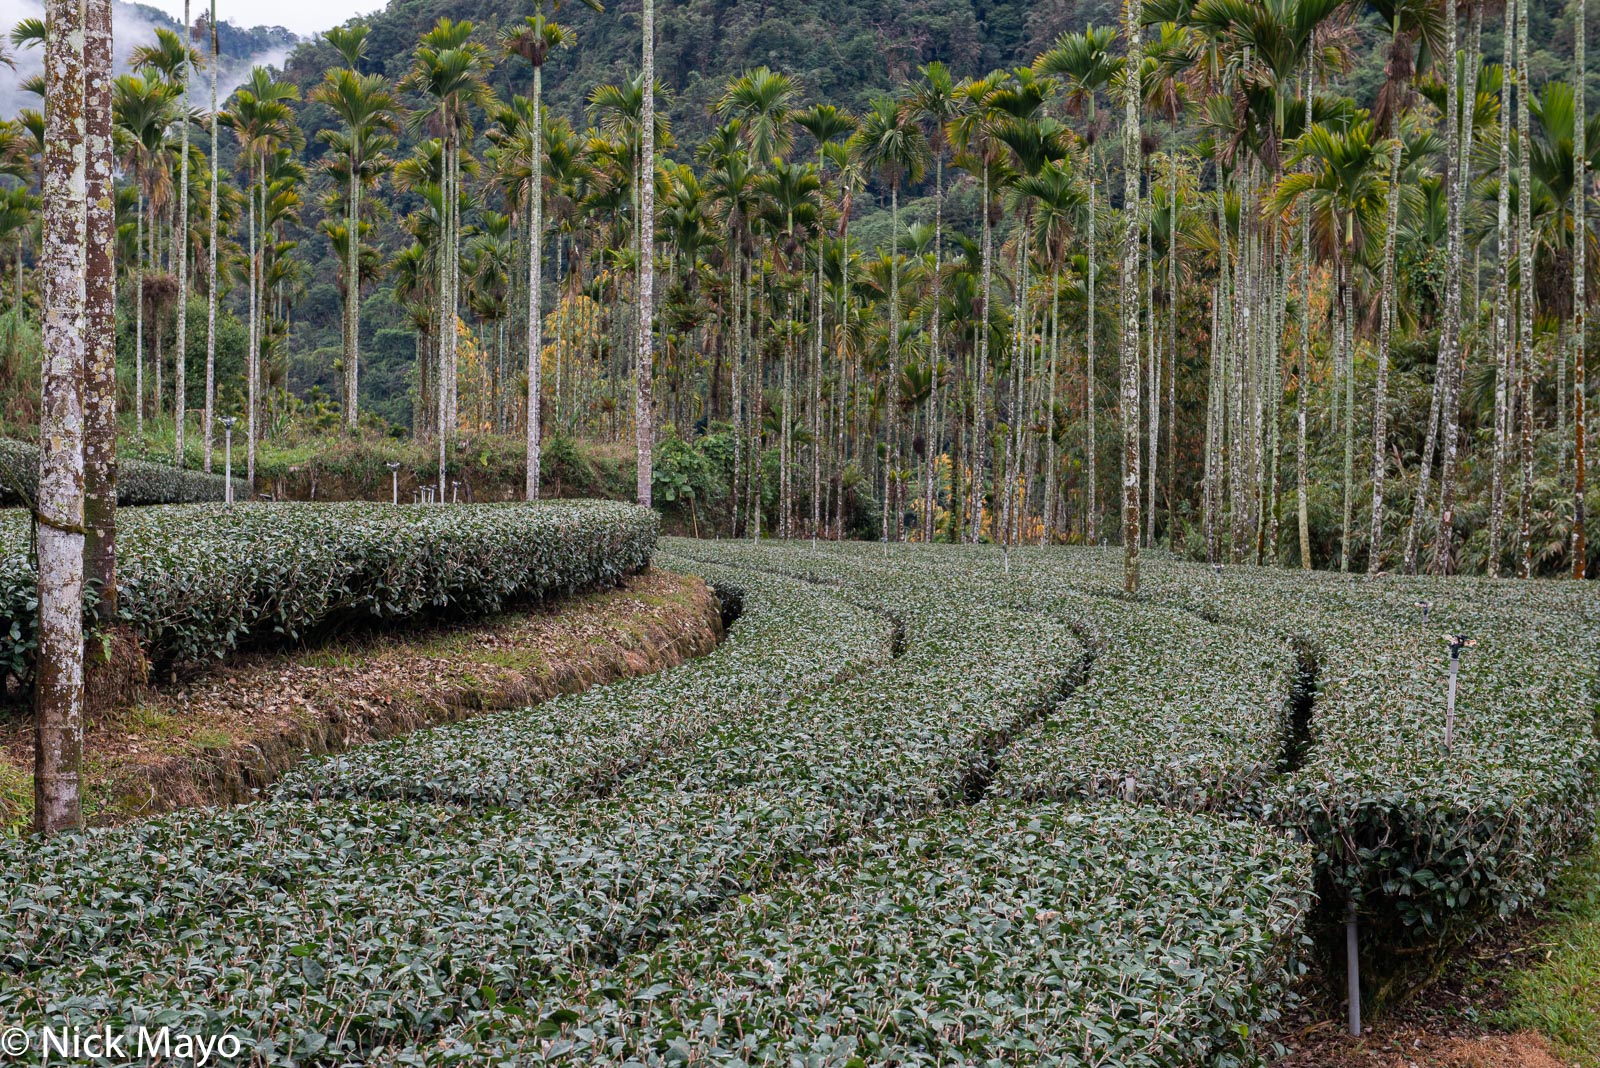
<point>59,679</point>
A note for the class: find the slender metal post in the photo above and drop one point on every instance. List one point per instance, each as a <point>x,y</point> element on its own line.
<point>227,460</point>
<point>1450,706</point>
<point>1352,967</point>
<point>394,478</point>
<point>1458,642</point>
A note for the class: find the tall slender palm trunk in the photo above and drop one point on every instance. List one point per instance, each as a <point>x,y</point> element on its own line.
<point>100,309</point>
<point>980,417</point>
<point>890,456</point>
<point>644,403</point>
<point>1502,325</point>
<point>535,285</point>
<point>253,360</point>
<point>1444,364</point>
<point>138,312</point>
<point>352,297</point>
<point>180,240</point>
<point>1091,509</point>
<point>1380,393</point>
<point>58,686</point>
<point>1460,146</point>
<point>1525,299</point>
<point>1133,25</point>
<point>1347,358</point>
<point>1303,388</point>
<point>1580,296</point>
<point>211,252</point>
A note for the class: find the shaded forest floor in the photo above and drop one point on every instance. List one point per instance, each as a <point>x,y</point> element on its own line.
<point>225,733</point>
<point>1526,997</point>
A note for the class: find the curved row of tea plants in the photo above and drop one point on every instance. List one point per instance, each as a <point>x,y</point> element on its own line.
<point>1431,839</point>
<point>1427,844</point>
<point>336,931</point>
<point>993,935</point>
<point>1179,711</point>
<point>921,732</point>
<point>790,639</point>
<point>139,482</point>
<point>320,930</point>
<point>999,934</point>
<point>195,582</point>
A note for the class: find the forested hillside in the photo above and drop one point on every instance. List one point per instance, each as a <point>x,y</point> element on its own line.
<point>948,269</point>
<point>842,53</point>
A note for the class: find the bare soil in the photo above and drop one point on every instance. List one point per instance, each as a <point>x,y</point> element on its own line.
<point>1446,1024</point>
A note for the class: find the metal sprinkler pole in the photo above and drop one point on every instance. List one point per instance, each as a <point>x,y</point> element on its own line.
<point>1450,706</point>
<point>1458,642</point>
<point>394,477</point>
<point>1352,957</point>
<point>227,461</point>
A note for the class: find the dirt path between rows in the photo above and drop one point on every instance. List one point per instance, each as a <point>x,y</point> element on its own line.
<point>227,733</point>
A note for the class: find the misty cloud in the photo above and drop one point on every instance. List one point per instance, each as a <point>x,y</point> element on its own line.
<point>130,29</point>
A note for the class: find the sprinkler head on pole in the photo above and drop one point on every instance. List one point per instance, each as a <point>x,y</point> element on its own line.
<point>1458,642</point>
<point>1426,606</point>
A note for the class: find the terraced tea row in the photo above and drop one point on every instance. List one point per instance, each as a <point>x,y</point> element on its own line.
<point>196,582</point>
<point>791,639</point>
<point>1195,701</point>
<point>1177,710</point>
<point>913,811</point>
<point>997,935</point>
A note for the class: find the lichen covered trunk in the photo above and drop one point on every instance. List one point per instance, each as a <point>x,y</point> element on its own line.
<point>1132,28</point>
<point>100,372</point>
<point>62,262</point>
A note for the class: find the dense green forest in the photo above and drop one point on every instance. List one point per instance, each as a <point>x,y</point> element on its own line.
<point>941,270</point>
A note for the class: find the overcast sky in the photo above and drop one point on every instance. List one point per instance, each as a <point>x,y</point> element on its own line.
<point>304,17</point>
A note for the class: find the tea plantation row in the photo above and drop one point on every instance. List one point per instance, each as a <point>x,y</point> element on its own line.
<point>915,810</point>
<point>195,582</point>
<point>139,482</point>
<point>1198,705</point>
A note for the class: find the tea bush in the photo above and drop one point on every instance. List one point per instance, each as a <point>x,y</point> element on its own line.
<point>139,482</point>
<point>195,582</point>
<point>790,639</point>
<point>919,808</point>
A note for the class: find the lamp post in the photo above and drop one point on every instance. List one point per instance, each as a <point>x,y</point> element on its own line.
<point>394,479</point>
<point>1458,642</point>
<point>227,459</point>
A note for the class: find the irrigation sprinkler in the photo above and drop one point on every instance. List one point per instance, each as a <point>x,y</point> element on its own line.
<point>1352,967</point>
<point>455,492</point>
<point>1426,606</point>
<point>394,479</point>
<point>1458,642</point>
<point>227,459</point>
<point>1218,569</point>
